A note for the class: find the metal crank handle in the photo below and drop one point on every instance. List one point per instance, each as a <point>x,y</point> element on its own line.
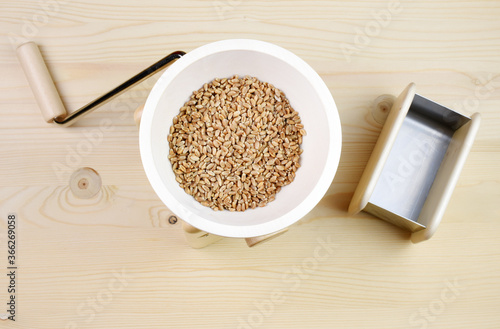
<point>48,98</point>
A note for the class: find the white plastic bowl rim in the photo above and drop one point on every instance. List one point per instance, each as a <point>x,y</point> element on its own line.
<point>285,219</point>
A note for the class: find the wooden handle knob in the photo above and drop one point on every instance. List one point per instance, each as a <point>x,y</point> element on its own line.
<point>40,81</point>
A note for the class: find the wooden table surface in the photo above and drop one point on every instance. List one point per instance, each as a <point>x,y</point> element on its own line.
<point>115,261</point>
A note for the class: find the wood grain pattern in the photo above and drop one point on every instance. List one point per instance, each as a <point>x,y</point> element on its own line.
<point>114,261</point>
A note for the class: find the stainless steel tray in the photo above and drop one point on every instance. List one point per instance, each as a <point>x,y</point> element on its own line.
<point>415,164</point>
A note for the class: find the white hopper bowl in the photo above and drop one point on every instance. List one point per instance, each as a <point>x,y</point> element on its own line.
<point>308,95</point>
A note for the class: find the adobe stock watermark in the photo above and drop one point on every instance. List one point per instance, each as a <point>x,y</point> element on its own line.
<point>94,137</point>
<point>427,315</point>
<point>3,316</point>
<point>87,311</point>
<point>485,87</point>
<point>412,160</point>
<point>221,7</point>
<point>381,19</point>
<point>31,24</point>
<point>293,278</point>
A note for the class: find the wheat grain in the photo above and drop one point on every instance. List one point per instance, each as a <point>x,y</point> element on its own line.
<point>235,143</point>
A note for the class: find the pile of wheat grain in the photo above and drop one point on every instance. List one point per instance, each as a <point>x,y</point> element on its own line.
<point>235,143</point>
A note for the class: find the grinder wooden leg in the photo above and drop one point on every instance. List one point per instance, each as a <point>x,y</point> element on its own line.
<point>252,242</point>
<point>197,238</point>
